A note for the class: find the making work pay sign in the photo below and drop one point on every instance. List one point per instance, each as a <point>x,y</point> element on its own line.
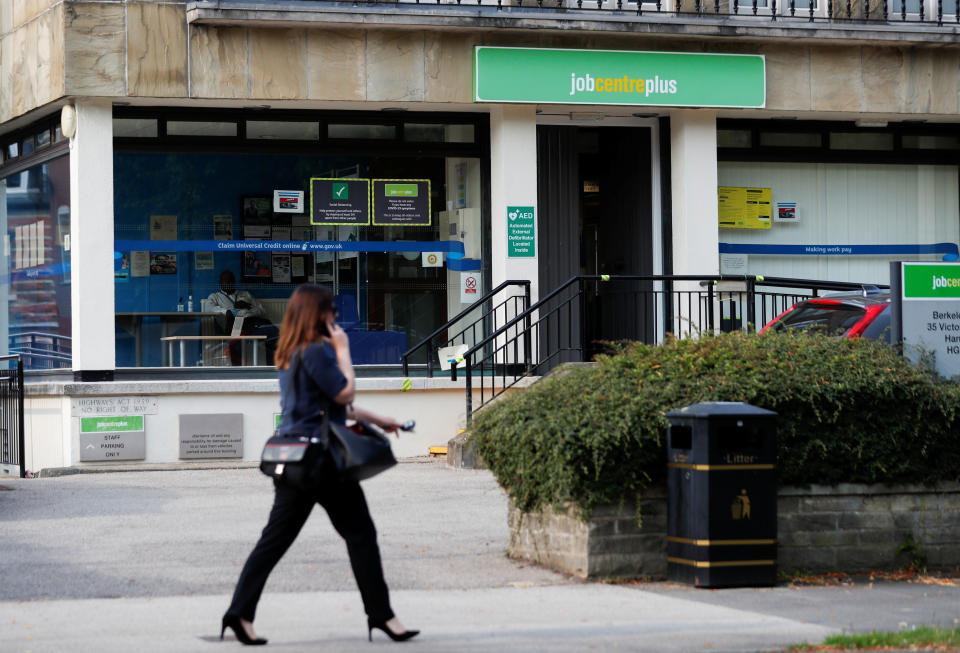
<point>926,312</point>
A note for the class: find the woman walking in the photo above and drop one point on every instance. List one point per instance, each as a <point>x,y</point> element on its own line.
<point>316,375</point>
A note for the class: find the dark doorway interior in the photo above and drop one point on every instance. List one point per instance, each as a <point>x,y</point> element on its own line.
<point>596,216</point>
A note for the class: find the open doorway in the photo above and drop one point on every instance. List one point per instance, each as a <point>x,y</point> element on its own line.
<point>596,208</point>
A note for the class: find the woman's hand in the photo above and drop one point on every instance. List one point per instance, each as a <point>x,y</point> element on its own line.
<point>388,424</point>
<point>338,337</point>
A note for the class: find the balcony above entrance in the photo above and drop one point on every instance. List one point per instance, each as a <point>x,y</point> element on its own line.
<point>883,21</point>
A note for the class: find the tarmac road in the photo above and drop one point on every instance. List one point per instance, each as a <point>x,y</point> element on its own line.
<point>146,561</point>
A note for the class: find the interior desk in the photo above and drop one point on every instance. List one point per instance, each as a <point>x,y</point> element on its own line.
<point>183,340</point>
<point>133,322</point>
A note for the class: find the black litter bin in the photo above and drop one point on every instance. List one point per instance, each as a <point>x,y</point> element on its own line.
<point>722,495</point>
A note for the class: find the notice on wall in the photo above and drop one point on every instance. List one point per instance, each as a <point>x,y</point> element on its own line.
<point>339,201</point>
<point>211,436</point>
<point>930,309</point>
<point>93,406</point>
<point>470,287</point>
<point>521,232</point>
<point>745,208</point>
<point>139,264</point>
<point>733,263</point>
<point>401,202</point>
<point>786,212</point>
<point>163,227</point>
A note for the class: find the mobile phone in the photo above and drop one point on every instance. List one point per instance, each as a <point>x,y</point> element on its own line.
<point>408,425</point>
<point>323,329</point>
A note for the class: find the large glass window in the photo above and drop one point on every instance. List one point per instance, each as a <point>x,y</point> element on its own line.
<point>219,209</point>
<point>35,265</point>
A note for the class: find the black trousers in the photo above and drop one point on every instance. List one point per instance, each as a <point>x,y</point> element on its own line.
<point>347,509</point>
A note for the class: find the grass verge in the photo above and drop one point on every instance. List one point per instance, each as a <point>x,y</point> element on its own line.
<point>923,638</point>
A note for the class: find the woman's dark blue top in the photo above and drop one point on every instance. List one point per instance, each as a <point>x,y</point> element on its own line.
<point>307,388</point>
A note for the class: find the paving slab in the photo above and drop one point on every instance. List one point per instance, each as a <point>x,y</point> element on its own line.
<point>146,561</point>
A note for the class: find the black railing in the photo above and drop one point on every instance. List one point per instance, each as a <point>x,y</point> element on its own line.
<point>883,11</point>
<point>12,453</point>
<point>578,320</point>
<point>471,331</point>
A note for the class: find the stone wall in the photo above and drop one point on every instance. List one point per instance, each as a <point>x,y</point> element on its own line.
<point>51,49</point>
<point>849,528</point>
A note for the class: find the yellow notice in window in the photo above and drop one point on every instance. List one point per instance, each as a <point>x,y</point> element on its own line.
<point>745,208</point>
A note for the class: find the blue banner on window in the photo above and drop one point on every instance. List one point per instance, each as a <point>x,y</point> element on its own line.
<point>950,251</point>
<point>454,246</point>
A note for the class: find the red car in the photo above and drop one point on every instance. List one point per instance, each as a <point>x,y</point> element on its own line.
<point>864,314</point>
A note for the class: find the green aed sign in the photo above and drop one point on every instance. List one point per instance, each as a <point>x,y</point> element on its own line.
<point>521,232</point>
<point>671,79</point>
<point>111,424</point>
<point>931,281</point>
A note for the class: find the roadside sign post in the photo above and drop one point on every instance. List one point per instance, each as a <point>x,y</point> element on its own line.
<point>925,312</point>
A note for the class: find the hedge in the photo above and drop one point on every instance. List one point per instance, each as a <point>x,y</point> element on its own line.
<point>849,411</point>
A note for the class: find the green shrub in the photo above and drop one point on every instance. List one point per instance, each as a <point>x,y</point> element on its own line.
<point>850,411</point>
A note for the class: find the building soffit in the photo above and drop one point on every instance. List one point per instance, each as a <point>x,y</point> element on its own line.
<point>513,19</point>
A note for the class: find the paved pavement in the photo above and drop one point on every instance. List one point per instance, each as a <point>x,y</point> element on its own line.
<point>146,561</point>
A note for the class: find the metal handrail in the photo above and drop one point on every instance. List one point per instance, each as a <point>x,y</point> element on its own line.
<point>525,284</point>
<point>750,296</point>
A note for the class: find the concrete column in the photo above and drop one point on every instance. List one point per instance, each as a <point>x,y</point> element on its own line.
<point>91,242</point>
<point>513,182</point>
<point>693,176</point>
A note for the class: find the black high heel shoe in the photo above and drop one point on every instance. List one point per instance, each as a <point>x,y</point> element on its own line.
<point>382,625</point>
<point>233,623</point>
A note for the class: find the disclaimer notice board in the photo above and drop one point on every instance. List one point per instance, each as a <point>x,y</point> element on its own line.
<point>745,208</point>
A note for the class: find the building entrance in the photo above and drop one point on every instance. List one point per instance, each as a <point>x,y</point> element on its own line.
<point>595,199</point>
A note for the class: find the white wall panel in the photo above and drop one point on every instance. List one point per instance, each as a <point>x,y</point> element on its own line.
<point>848,204</point>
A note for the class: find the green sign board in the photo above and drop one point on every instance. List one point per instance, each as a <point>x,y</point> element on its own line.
<point>111,424</point>
<point>931,281</point>
<point>521,232</point>
<point>672,79</point>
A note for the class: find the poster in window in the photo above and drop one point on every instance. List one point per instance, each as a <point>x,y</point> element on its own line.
<point>281,268</point>
<point>163,227</point>
<point>256,210</point>
<point>256,232</point>
<point>401,202</point>
<point>298,268</point>
<point>256,266</point>
<point>223,227</point>
<point>281,233</point>
<point>139,264</point>
<point>163,263</point>
<point>203,261</point>
<point>339,201</point>
<point>745,208</point>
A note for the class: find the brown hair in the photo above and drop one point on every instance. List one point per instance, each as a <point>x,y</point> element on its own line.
<point>302,321</point>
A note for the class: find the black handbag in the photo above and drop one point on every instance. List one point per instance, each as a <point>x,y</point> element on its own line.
<point>359,451</point>
<point>297,460</point>
<point>344,452</point>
